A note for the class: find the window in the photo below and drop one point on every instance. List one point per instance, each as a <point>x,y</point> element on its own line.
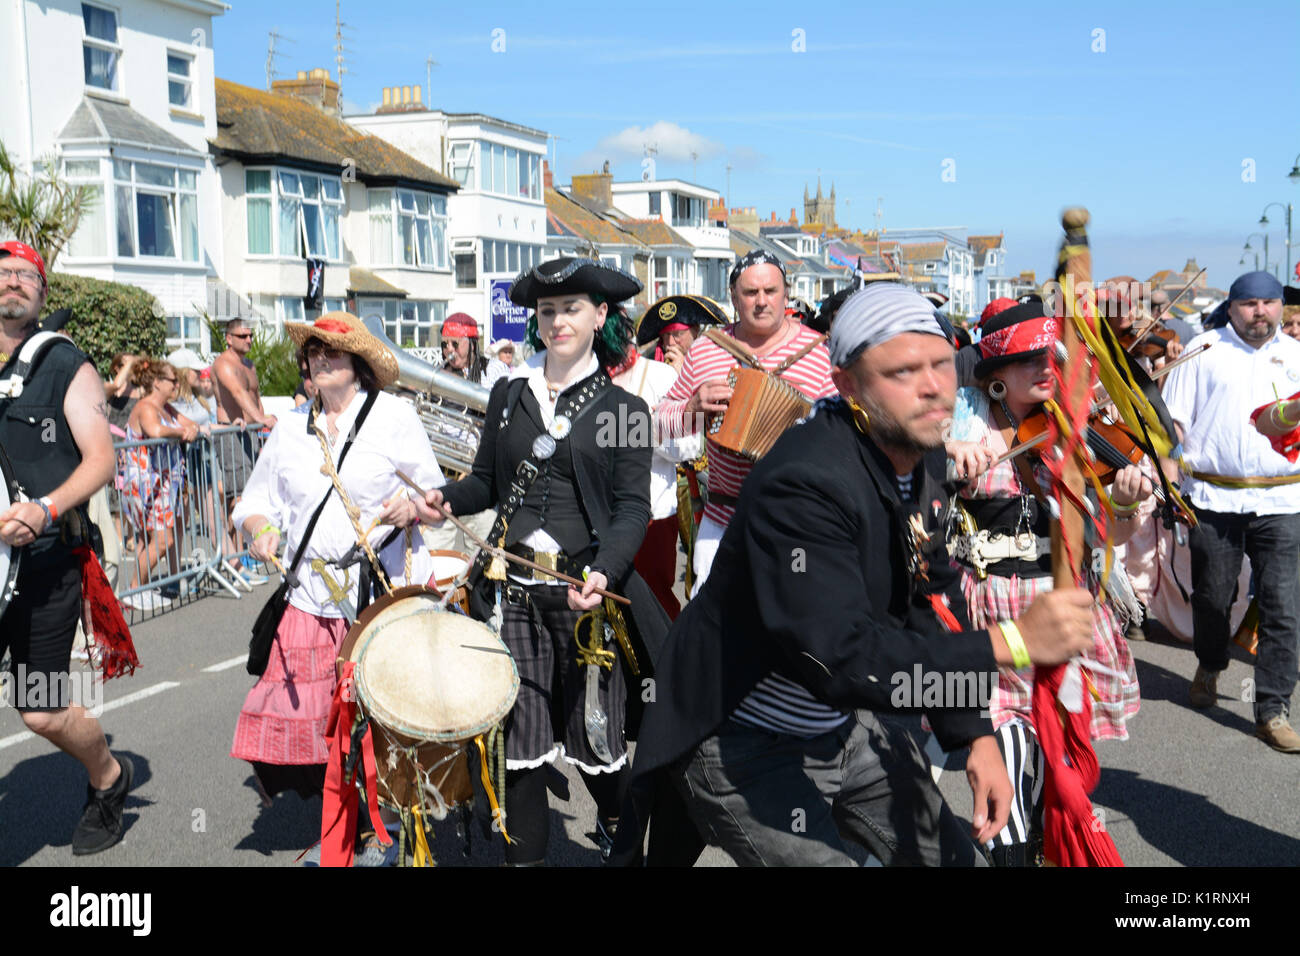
<point>293,214</point>
<point>289,308</point>
<point>179,67</point>
<point>462,164</point>
<point>466,270</point>
<point>687,210</point>
<point>654,204</point>
<point>506,171</point>
<point>509,257</point>
<point>408,228</point>
<point>661,279</point>
<point>411,323</point>
<point>257,189</point>
<point>612,261</point>
<point>185,332</point>
<point>91,238</point>
<point>157,211</point>
<point>99,49</point>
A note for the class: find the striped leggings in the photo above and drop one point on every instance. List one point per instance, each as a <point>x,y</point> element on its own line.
<point>1025,767</point>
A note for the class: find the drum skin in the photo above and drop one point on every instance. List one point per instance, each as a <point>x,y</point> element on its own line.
<point>430,681</point>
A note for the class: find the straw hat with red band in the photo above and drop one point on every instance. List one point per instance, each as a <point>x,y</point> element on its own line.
<point>344,331</point>
<point>20,250</point>
<point>459,325</point>
<point>1014,335</point>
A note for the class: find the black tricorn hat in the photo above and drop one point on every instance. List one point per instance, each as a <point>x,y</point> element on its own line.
<point>697,310</point>
<point>568,275</point>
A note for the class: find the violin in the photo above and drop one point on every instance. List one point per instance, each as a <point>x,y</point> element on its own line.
<point>1112,444</point>
<point>1150,336</point>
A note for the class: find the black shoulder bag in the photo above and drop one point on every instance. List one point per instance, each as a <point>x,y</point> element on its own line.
<point>268,621</point>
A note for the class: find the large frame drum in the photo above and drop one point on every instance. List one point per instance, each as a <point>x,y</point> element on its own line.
<point>430,681</point>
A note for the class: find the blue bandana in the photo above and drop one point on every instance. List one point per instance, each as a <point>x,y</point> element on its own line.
<point>1255,285</point>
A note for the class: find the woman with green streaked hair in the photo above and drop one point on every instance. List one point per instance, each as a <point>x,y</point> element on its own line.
<point>565,455</point>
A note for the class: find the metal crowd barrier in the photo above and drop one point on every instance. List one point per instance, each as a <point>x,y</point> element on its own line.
<point>167,535</point>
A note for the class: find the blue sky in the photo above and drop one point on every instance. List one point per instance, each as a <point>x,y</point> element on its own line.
<point>1151,132</point>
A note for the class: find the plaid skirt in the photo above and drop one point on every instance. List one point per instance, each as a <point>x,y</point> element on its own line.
<point>549,716</point>
<point>1002,599</point>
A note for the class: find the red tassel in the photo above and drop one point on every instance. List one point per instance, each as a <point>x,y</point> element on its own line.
<point>341,807</point>
<point>107,636</point>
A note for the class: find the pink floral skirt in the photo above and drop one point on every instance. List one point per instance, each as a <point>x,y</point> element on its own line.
<point>284,715</point>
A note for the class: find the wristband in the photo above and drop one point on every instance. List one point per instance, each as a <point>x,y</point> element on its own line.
<point>1015,643</point>
<point>44,504</point>
<point>1123,509</point>
<point>264,529</point>
<point>1282,419</point>
<point>49,504</point>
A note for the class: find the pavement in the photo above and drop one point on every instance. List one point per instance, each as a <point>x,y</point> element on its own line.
<point>1188,789</point>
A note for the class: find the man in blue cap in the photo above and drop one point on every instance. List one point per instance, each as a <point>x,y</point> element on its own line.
<point>1246,497</point>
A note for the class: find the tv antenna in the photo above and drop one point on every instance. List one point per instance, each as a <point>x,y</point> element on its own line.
<point>271,55</point>
<point>429,64</point>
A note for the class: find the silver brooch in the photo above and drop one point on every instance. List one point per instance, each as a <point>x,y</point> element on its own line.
<point>543,447</point>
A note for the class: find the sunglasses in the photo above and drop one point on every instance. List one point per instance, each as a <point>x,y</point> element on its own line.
<point>322,351</point>
<point>239,335</point>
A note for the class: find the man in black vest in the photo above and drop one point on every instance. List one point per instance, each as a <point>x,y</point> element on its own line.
<point>822,617</point>
<point>54,435</point>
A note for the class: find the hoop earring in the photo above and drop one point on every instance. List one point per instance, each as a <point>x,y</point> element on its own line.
<point>997,390</point>
<point>861,420</point>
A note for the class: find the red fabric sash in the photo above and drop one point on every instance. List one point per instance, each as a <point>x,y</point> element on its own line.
<point>1287,445</point>
<point>107,637</point>
<point>1072,835</point>
<point>341,807</point>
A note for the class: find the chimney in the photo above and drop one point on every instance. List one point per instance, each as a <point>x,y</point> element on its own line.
<point>388,96</point>
<point>744,217</point>
<point>403,99</point>
<point>314,87</point>
<point>548,177</point>
<point>597,186</point>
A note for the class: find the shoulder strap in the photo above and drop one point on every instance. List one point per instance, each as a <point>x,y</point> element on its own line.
<point>31,351</point>
<point>733,348</point>
<point>311,525</point>
<point>798,355</point>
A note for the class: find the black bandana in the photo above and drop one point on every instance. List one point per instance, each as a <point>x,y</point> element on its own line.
<point>752,258</point>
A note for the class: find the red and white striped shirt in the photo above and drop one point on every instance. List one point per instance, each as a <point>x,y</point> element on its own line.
<point>706,362</point>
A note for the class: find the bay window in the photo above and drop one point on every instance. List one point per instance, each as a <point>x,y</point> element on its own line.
<point>408,228</point>
<point>91,238</point>
<point>293,214</point>
<point>509,172</point>
<point>157,211</point>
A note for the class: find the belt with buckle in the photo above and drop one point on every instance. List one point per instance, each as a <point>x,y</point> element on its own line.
<point>551,560</point>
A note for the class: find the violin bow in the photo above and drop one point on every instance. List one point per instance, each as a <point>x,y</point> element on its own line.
<point>1155,320</point>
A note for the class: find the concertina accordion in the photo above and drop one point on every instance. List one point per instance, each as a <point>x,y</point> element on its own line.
<point>762,406</point>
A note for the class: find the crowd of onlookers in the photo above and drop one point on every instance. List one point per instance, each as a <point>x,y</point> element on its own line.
<point>166,485</point>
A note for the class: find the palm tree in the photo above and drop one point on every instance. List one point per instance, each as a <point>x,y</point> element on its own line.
<point>41,210</point>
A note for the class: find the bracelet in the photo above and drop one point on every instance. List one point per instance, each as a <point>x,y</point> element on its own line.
<point>264,529</point>
<point>1129,509</point>
<point>49,518</point>
<point>1015,643</point>
<point>1282,419</point>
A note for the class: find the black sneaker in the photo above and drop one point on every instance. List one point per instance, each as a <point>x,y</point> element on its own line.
<point>101,821</point>
<point>606,830</point>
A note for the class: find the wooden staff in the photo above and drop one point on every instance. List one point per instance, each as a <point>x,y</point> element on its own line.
<point>1075,269</point>
<point>512,557</point>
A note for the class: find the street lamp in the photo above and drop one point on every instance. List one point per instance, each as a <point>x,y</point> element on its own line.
<point>1294,175</point>
<point>1263,221</point>
<point>1249,248</point>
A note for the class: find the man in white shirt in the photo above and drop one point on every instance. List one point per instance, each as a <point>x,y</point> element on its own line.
<point>1246,497</point>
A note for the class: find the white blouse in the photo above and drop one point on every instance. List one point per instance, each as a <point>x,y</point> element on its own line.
<point>287,484</point>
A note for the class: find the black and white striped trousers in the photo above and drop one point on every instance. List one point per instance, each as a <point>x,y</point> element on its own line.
<point>1025,767</point>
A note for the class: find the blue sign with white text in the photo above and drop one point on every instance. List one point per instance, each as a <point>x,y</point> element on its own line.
<point>508,319</point>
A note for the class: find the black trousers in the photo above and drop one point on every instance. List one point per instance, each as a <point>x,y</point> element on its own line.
<point>1273,544</point>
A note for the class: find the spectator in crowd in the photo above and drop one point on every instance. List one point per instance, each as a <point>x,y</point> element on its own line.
<point>502,360</point>
<point>154,476</point>
<point>191,403</point>
<point>121,389</point>
<point>1291,321</point>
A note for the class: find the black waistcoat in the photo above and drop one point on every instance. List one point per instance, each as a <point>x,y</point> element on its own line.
<point>33,432</point>
<point>552,503</point>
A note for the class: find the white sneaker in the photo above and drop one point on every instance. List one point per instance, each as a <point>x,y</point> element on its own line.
<point>150,600</point>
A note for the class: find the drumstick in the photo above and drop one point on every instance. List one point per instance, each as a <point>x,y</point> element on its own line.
<point>513,557</point>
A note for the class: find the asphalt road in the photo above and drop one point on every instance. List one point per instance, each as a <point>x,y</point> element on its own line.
<point>1189,788</point>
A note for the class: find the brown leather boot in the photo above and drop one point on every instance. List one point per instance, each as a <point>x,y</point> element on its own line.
<point>1204,691</point>
<point>1278,733</point>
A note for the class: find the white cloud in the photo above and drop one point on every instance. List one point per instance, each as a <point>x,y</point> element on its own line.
<point>674,144</point>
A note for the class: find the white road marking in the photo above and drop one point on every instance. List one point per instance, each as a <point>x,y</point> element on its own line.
<point>111,705</point>
<point>937,757</point>
<point>226,665</point>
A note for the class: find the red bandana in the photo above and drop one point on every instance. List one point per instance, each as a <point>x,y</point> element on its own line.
<point>1027,336</point>
<point>629,359</point>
